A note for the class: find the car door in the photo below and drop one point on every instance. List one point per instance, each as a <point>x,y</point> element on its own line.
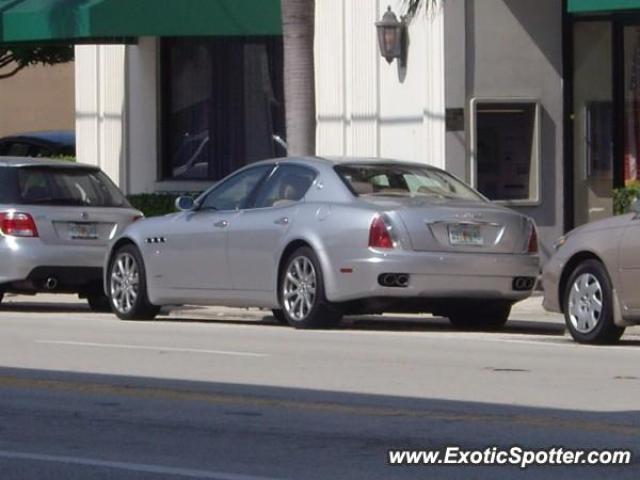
<point>195,249</point>
<point>257,232</point>
<point>629,259</point>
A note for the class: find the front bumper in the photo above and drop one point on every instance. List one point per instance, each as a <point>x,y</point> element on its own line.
<point>22,256</point>
<point>433,276</point>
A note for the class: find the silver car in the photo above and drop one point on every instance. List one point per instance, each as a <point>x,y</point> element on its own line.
<point>316,238</point>
<point>56,221</point>
<point>594,277</point>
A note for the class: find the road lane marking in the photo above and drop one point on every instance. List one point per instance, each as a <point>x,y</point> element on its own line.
<point>132,467</point>
<point>538,421</point>
<point>150,347</point>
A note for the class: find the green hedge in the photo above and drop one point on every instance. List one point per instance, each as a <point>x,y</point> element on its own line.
<point>156,204</point>
<point>623,198</point>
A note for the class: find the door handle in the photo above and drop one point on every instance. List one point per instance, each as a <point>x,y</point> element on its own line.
<point>221,224</point>
<point>282,221</point>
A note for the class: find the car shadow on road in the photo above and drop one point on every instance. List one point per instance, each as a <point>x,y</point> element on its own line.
<point>40,307</point>
<point>387,323</point>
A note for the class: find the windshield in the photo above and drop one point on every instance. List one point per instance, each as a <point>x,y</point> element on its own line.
<point>404,181</point>
<point>68,187</point>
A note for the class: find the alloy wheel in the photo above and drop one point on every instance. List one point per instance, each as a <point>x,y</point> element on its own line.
<point>585,303</point>
<point>125,281</point>
<point>299,288</point>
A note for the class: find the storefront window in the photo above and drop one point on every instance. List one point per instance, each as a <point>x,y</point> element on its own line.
<point>222,105</point>
<point>507,151</point>
<point>593,120</point>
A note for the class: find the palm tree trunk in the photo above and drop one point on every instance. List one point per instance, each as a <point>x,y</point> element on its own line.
<point>299,75</point>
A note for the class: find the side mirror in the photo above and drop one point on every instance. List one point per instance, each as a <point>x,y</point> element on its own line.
<point>185,203</point>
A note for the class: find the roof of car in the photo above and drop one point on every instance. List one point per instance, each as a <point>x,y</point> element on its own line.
<point>40,162</point>
<point>58,137</point>
<point>336,160</point>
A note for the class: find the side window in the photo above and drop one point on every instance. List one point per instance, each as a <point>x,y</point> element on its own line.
<point>40,152</point>
<point>288,185</point>
<point>18,150</point>
<point>234,193</point>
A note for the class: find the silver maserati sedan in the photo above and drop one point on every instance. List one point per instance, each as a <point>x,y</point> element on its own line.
<point>593,278</point>
<point>317,238</point>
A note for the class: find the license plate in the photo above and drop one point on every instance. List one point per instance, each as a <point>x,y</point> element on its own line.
<point>83,231</point>
<point>465,235</point>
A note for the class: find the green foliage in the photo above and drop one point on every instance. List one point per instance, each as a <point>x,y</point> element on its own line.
<point>155,204</point>
<point>623,198</point>
<point>14,58</point>
<point>66,158</point>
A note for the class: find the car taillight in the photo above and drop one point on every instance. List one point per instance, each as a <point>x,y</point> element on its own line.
<point>532,245</point>
<point>379,236</point>
<point>18,224</point>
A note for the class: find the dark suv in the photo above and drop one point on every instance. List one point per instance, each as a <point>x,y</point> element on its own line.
<point>39,144</point>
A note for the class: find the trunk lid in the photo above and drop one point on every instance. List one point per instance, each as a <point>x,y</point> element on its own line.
<point>458,225</point>
<point>95,226</point>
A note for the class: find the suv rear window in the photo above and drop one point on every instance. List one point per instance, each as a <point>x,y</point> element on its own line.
<point>68,187</point>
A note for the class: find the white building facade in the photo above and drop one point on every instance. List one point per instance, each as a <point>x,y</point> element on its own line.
<point>481,95</point>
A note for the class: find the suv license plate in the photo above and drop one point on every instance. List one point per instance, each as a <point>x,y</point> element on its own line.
<point>83,231</point>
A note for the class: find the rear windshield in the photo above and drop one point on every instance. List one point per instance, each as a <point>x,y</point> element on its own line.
<point>67,187</point>
<point>394,180</point>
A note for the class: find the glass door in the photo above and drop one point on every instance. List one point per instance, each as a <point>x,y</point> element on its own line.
<point>631,103</point>
<point>593,120</point>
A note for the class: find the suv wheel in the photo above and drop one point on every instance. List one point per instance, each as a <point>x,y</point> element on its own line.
<point>279,316</point>
<point>588,306</point>
<point>99,303</point>
<point>304,304</point>
<point>128,286</point>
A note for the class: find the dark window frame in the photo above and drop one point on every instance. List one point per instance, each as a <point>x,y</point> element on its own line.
<point>275,60</point>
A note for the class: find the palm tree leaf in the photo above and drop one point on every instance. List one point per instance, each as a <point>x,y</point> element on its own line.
<point>411,7</point>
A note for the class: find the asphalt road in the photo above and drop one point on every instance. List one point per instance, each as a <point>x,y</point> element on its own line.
<point>225,394</point>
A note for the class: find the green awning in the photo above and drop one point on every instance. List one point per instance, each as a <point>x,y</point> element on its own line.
<point>84,20</point>
<point>599,6</point>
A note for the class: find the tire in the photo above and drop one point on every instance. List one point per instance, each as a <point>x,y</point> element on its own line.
<point>99,303</point>
<point>125,304</point>
<point>485,317</point>
<point>1,296</point>
<point>279,316</point>
<point>588,305</point>
<point>306,309</point>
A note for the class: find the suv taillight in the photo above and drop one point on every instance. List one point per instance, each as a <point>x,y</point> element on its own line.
<point>379,236</point>
<point>18,224</point>
<point>532,244</point>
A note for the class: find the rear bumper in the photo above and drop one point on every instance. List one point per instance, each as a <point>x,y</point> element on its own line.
<point>433,276</point>
<point>24,259</point>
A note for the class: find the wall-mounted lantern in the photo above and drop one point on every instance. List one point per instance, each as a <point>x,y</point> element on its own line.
<point>392,37</point>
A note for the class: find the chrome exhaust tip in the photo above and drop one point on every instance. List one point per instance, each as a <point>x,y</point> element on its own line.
<point>394,280</point>
<point>51,283</point>
<point>522,284</point>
